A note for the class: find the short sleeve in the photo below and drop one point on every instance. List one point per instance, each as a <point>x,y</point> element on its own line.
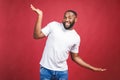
<point>47,29</point>
<point>75,47</point>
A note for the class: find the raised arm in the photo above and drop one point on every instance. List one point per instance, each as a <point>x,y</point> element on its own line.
<point>82,63</point>
<point>37,34</point>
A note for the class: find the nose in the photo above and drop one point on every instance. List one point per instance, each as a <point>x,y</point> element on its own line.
<point>67,20</point>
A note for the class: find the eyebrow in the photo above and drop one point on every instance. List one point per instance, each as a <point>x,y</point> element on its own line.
<point>68,16</point>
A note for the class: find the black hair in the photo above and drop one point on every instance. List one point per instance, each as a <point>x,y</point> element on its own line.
<point>74,12</point>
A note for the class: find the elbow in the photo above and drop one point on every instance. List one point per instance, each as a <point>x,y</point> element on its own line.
<point>36,36</point>
<point>73,59</point>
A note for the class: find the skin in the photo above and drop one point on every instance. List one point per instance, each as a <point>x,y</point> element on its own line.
<point>69,19</point>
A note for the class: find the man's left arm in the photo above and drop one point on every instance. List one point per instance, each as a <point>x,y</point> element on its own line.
<point>76,58</point>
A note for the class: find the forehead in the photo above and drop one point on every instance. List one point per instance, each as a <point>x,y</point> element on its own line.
<point>69,14</point>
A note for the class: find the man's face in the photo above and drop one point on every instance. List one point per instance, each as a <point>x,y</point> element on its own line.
<point>69,20</point>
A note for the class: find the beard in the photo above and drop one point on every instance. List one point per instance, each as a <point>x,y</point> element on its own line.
<point>68,26</point>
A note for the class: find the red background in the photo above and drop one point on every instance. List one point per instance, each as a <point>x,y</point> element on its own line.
<point>98,25</point>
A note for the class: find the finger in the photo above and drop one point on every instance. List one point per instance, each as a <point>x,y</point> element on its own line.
<point>103,69</point>
<point>33,8</point>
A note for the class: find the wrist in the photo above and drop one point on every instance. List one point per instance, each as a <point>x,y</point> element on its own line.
<point>40,15</point>
<point>92,68</point>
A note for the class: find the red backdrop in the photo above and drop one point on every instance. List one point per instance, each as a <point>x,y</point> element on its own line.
<point>98,25</point>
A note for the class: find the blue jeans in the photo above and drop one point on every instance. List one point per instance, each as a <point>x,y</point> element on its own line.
<point>46,74</point>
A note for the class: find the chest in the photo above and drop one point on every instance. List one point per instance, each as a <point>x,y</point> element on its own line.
<point>63,38</point>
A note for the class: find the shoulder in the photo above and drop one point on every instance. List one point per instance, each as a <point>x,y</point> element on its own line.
<point>54,23</point>
<point>76,35</point>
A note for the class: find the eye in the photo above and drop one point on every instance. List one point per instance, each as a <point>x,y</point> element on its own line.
<point>65,17</point>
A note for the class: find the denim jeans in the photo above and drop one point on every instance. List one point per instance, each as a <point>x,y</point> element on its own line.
<point>46,74</point>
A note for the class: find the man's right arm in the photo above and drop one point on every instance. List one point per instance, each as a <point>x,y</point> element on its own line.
<point>37,34</point>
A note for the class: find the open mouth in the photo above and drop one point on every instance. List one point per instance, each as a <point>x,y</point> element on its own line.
<point>67,23</point>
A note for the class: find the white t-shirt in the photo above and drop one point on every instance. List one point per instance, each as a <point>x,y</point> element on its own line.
<point>58,45</point>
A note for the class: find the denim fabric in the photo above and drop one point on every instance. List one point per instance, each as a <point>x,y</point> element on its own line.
<point>46,74</point>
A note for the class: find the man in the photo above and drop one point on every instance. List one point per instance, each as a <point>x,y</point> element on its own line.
<point>62,41</point>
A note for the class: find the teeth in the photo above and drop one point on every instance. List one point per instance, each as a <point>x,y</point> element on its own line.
<point>67,23</point>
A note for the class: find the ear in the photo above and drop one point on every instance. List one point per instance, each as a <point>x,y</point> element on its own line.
<point>75,19</point>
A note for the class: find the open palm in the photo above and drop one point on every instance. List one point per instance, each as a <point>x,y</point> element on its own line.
<point>38,11</point>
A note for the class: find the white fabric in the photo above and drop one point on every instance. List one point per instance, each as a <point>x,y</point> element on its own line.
<point>59,43</point>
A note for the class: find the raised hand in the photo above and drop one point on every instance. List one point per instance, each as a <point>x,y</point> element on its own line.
<point>38,11</point>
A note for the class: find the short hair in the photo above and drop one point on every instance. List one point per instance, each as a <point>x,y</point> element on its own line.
<point>74,12</point>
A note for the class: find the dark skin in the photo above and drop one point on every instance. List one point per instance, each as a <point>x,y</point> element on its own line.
<point>68,20</point>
